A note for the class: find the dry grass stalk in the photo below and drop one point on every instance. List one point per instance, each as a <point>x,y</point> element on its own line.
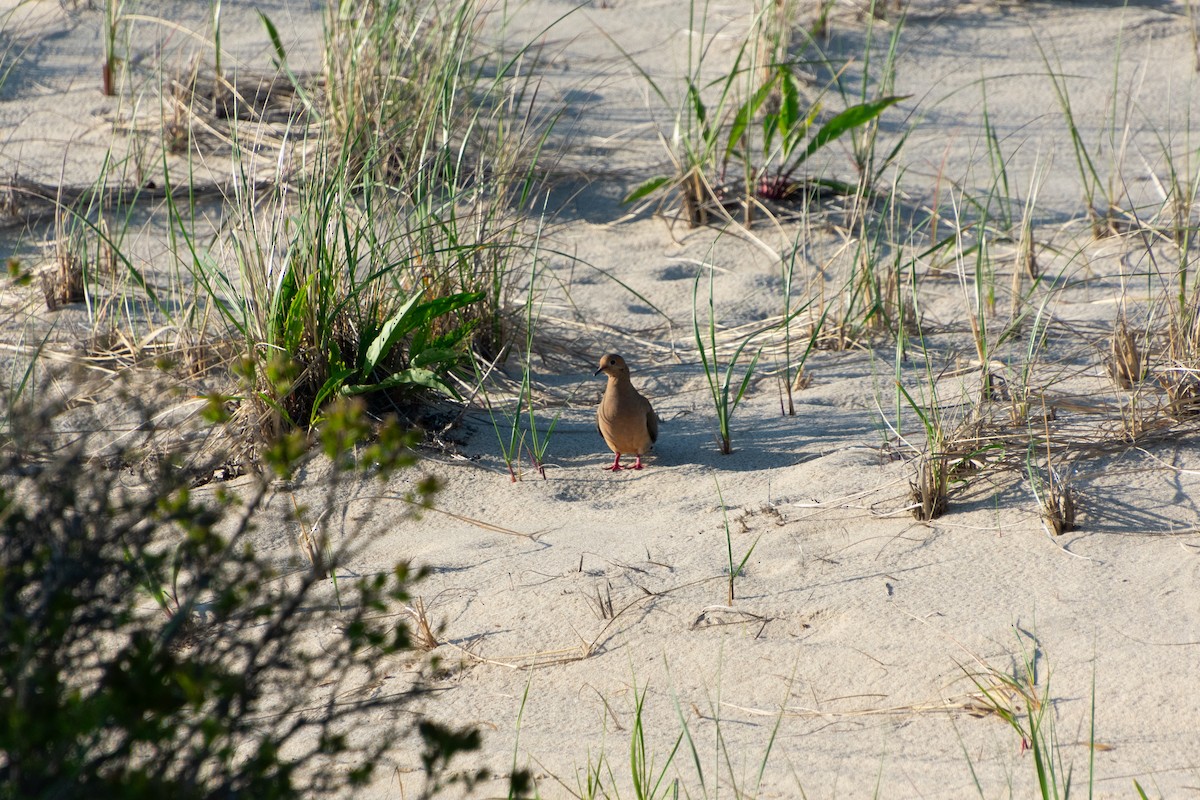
<point>312,544</point>
<point>974,704</point>
<point>1057,501</point>
<point>1181,379</point>
<point>106,254</point>
<point>423,633</point>
<point>63,283</point>
<point>1126,363</point>
<point>314,553</point>
<point>177,130</point>
<point>931,488</point>
<point>1056,498</point>
<point>603,604</point>
<point>1028,254</point>
<point>802,380</point>
<point>696,191</point>
<point>1002,695</point>
<point>1108,224</point>
<point>1182,386</point>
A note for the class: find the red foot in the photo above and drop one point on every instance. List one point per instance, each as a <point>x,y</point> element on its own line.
<point>616,465</point>
<point>637,465</point>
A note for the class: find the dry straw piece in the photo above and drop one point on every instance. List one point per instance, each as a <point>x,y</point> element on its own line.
<point>424,636</point>
<point>930,489</point>
<point>1126,363</point>
<point>63,281</point>
<point>1058,505</point>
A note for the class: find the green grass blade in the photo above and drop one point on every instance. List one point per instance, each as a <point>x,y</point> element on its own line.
<point>276,42</point>
<point>646,189</point>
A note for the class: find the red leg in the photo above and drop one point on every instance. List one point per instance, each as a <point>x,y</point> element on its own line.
<point>638,464</point>
<point>616,465</point>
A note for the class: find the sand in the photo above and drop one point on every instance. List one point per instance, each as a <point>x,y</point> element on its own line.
<point>843,666</point>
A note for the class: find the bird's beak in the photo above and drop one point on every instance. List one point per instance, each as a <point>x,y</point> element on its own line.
<point>598,371</point>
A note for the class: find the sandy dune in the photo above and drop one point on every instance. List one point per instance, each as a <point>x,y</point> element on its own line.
<point>842,667</point>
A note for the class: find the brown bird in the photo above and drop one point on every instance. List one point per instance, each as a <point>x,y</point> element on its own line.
<point>625,419</point>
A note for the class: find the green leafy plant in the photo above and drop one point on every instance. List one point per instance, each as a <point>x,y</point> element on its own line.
<point>429,355</point>
<point>338,310</point>
<point>217,696</point>
<point>788,127</point>
<point>695,143</point>
<point>725,396</point>
<point>376,261</point>
<point>708,134</point>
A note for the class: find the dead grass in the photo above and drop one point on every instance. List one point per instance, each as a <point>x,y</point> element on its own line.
<point>1058,504</point>
<point>1126,363</point>
<point>425,637</point>
<point>930,489</point>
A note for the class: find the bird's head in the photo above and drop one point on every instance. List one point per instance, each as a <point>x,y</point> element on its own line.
<point>613,366</point>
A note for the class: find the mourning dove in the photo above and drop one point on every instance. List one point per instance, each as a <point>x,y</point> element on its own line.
<point>625,419</point>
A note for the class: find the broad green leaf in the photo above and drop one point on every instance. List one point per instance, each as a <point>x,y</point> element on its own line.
<point>332,385</point>
<point>412,376</point>
<point>647,188</point>
<point>853,117</point>
<point>770,125</point>
<point>747,112</point>
<point>789,100</point>
<point>795,134</point>
<point>450,339</point>
<point>422,317</point>
<point>425,313</point>
<point>391,332</point>
<point>434,355</point>
<point>294,319</point>
<point>797,128</point>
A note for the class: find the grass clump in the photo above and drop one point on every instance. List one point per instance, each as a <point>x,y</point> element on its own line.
<point>343,311</point>
<point>385,243</point>
<point>1022,699</point>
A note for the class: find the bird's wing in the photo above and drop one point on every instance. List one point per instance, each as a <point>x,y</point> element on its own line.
<point>652,423</point>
